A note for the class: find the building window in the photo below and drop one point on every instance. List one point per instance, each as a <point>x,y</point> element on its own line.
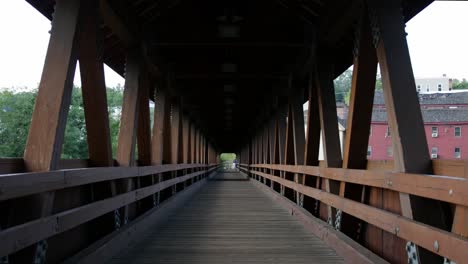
<point>457,153</point>
<point>369,151</point>
<point>387,134</point>
<point>439,87</point>
<point>390,151</point>
<point>457,131</point>
<point>435,132</point>
<point>434,152</point>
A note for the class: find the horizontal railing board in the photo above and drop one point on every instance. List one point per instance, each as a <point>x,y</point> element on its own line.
<point>22,184</point>
<point>444,188</point>
<point>449,245</point>
<point>21,236</point>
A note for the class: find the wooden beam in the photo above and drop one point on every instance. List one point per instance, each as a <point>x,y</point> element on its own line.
<point>17,238</point>
<point>410,148</point>
<point>144,126</point>
<point>95,109</point>
<point>448,244</point>
<point>186,140</point>
<point>129,122</point>
<point>330,133</point>
<point>94,90</point>
<point>359,120</point>
<point>299,138</point>
<point>157,142</point>
<point>45,139</point>
<point>175,131</point>
<point>312,144</point>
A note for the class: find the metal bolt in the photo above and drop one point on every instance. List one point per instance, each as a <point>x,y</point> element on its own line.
<point>450,192</point>
<point>396,230</point>
<point>436,246</point>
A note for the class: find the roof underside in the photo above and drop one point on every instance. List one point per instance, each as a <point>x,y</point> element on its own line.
<point>231,59</point>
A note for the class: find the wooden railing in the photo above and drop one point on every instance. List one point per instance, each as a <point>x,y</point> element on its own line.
<point>450,189</point>
<point>15,238</point>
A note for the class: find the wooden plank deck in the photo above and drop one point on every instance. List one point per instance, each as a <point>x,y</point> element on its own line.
<point>230,222</point>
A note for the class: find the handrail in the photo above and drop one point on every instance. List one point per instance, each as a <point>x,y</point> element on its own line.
<point>20,236</point>
<point>22,184</point>
<point>444,188</point>
<point>450,245</point>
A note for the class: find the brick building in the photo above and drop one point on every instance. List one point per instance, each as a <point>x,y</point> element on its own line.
<point>445,118</point>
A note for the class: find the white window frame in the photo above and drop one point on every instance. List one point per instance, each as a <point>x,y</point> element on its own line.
<point>390,151</point>
<point>455,131</point>
<point>455,152</point>
<point>369,151</point>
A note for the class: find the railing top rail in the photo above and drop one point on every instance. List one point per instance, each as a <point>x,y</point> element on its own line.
<point>444,188</point>
<point>22,184</point>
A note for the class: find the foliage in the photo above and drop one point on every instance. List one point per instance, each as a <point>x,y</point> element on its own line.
<point>459,85</point>
<point>343,86</point>
<point>227,157</point>
<point>15,116</point>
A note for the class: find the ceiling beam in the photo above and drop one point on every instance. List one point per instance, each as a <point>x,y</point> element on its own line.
<point>128,36</point>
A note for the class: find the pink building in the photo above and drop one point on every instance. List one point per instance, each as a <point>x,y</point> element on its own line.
<point>445,121</point>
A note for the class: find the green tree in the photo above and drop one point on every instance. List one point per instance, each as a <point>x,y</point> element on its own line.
<point>15,116</point>
<point>459,85</point>
<point>343,85</point>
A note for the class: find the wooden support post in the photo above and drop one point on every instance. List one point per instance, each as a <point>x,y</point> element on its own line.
<point>359,121</point>
<point>157,140</point>
<point>44,143</point>
<point>95,110</point>
<point>312,145</point>
<point>271,145</point>
<point>299,139</point>
<point>279,147</point>
<point>144,129</point>
<point>129,123</point>
<point>330,133</point>
<point>289,157</point>
<point>192,144</point>
<point>196,146</point>
<point>144,139</point>
<point>175,136</point>
<point>186,141</point>
<point>410,148</point>
<point>157,143</point>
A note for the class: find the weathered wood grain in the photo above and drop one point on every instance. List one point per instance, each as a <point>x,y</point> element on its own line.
<point>230,222</point>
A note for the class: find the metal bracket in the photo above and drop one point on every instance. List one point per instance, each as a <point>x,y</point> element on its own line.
<point>41,252</point>
<point>412,252</point>
<point>117,223</point>
<point>448,261</point>
<point>374,27</point>
<point>339,213</point>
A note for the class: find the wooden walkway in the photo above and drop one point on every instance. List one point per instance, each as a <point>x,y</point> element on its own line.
<point>230,222</point>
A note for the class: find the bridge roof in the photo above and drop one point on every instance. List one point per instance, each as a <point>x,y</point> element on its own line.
<point>229,60</point>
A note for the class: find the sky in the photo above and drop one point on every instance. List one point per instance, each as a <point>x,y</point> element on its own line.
<point>437,40</point>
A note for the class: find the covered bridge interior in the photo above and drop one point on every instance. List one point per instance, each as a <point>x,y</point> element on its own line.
<point>230,76</point>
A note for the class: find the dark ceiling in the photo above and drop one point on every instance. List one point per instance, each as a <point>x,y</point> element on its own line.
<point>230,61</point>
